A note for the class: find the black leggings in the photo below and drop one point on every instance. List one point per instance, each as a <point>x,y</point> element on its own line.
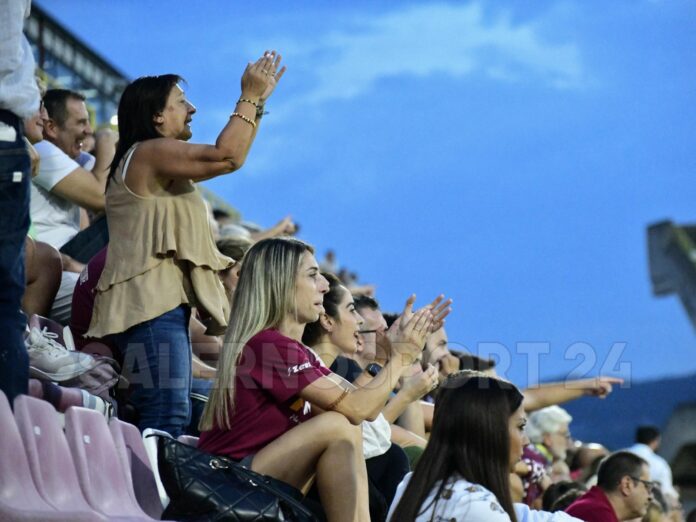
<point>387,470</point>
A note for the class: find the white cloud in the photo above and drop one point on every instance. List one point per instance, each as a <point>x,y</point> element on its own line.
<point>424,40</point>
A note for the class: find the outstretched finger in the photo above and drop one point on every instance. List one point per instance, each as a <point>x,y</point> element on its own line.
<point>442,310</point>
<point>610,380</point>
<point>265,61</point>
<point>280,74</point>
<point>408,308</point>
<point>262,59</point>
<point>439,321</point>
<point>436,301</point>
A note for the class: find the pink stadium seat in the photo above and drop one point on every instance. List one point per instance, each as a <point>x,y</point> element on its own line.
<point>97,463</point>
<point>136,466</point>
<point>49,457</point>
<point>19,499</point>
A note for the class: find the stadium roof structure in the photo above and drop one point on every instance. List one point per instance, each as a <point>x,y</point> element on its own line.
<point>72,64</point>
<point>69,62</point>
<point>672,260</point>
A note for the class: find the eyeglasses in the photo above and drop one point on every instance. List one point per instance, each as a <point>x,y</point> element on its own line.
<point>649,484</point>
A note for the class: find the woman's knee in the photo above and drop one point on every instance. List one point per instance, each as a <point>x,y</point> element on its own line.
<point>337,427</point>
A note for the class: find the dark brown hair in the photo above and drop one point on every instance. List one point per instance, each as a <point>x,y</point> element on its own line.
<point>332,298</point>
<point>470,439</point>
<point>141,101</point>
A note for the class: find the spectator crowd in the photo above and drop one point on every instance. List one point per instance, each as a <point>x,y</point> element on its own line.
<point>147,305</point>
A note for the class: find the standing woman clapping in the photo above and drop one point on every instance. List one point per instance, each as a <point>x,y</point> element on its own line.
<point>161,258</point>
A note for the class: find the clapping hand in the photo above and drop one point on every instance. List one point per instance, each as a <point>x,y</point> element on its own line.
<point>407,335</point>
<point>260,78</point>
<point>439,309</point>
<point>274,76</point>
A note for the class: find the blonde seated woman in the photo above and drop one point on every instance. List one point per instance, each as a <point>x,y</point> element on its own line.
<point>274,406</point>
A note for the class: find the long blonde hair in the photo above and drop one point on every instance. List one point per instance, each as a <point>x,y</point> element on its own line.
<point>265,294</point>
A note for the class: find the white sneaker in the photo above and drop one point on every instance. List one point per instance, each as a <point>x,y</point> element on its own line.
<point>50,360</point>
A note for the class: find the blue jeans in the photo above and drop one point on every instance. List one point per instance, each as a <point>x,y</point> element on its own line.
<point>157,362</point>
<point>200,391</point>
<point>15,176</point>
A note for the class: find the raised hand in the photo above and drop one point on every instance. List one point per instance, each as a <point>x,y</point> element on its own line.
<point>411,335</point>
<point>274,75</point>
<point>439,309</point>
<point>406,314</point>
<point>285,226</point>
<point>256,77</point>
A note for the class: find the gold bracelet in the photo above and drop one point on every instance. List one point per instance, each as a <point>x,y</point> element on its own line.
<point>247,100</point>
<point>335,403</point>
<point>246,119</point>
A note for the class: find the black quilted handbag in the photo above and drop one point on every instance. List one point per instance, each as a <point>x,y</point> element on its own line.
<point>204,487</point>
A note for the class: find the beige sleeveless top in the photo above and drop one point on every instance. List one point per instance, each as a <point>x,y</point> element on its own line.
<point>161,254</point>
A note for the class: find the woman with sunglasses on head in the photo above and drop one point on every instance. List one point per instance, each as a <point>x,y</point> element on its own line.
<point>161,258</point>
<point>275,407</point>
<point>464,472</point>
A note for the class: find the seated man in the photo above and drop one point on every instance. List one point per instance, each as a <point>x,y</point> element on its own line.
<point>646,446</point>
<point>64,185</point>
<point>403,409</point>
<point>623,491</point>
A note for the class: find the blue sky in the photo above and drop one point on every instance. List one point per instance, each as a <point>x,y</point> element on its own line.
<point>509,154</point>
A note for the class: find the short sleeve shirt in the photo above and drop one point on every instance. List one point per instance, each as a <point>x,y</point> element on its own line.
<point>272,371</point>
<point>56,219</point>
<point>83,304</point>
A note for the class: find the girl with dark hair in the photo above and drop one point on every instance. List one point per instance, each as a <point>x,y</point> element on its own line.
<point>335,337</point>
<point>464,472</point>
<point>275,407</point>
<point>161,259</point>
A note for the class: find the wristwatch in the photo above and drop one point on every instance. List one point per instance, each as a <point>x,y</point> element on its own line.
<point>373,369</point>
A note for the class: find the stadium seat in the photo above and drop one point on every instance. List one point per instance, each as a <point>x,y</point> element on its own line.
<point>136,465</point>
<point>96,459</point>
<point>49,457</point>
<point>19,499</point>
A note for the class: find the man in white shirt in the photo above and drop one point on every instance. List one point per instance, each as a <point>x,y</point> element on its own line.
<point>647,443</point>
<point>65,184</point>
